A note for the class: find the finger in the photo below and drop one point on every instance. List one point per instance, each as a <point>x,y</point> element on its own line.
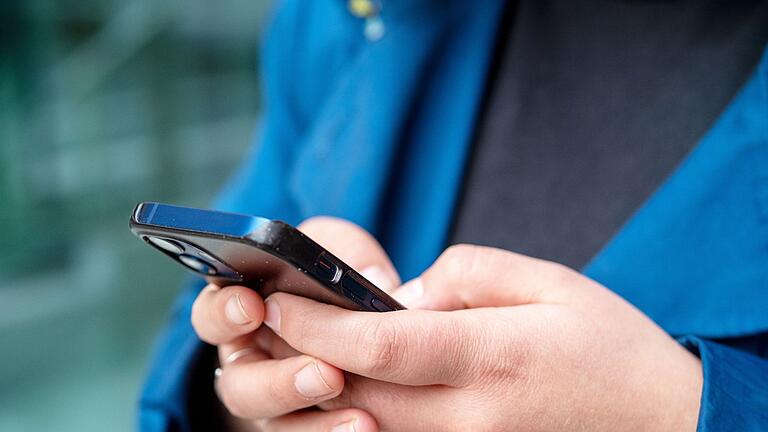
<point>222,314</point>
<point>355,246</point>
<point>343,420</point>
<point>243,348</point>
<point>269,388</point>
<point>273,345</point>
<point>393,404</point>
<point>406,347</point>
<point>262,344</point>
<point>467,276</point>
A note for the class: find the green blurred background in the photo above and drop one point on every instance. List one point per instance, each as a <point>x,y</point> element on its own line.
<point>105,103</point>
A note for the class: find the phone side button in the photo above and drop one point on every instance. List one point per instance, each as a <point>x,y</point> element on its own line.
<point>327,270</point>
<point>379,305</point>
<point>353,288</point>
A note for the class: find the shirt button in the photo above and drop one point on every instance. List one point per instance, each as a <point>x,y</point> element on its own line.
<point>363,8</point>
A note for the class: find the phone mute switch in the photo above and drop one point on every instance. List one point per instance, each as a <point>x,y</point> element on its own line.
<point>327,269</point>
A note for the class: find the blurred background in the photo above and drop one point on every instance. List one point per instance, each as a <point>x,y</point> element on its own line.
<point>104,103</point>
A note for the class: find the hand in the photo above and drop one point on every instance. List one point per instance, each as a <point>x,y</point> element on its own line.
<point>264,381</point>
<point>512,343</point>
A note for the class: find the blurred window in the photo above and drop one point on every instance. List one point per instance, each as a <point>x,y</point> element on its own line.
<point>103,104</point>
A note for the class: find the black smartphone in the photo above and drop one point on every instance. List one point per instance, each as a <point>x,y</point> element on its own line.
<point>265,255</point>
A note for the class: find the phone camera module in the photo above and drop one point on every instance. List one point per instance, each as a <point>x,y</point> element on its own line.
<point>198,265</point>
<point>167,245</point>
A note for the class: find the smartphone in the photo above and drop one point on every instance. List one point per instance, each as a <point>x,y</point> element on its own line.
<point>265,255</point>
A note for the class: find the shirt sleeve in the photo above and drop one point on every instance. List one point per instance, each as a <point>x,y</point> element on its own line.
<point>735,391</point>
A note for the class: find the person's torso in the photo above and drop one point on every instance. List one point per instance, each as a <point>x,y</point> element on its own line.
<point>589,107</point>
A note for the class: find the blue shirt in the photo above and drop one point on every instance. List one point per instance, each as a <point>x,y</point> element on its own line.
<point>347,115</point>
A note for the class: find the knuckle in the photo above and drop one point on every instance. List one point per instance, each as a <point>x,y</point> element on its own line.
<point>385,341</point>
<point>519,354</point>
<point>283,396</point>
<point>453,262</point>
<point>299,331</point>
<point>512,360</point>
<point>460,263</point>
<point>563,275</point>
<point>457,253</point>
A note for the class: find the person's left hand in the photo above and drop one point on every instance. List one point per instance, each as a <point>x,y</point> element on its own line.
<point>510,343</point>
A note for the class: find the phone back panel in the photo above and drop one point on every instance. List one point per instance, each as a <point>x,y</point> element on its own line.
<point>265,255</point>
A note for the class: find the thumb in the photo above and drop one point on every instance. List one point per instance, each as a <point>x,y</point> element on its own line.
<point>355,246</point>
<point>468,276</point>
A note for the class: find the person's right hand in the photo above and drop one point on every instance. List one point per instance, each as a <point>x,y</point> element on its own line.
<point>253,360</point>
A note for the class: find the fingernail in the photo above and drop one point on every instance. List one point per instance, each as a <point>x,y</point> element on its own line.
<point>378,276</point>
<point>310,383</point>
<point>235,311</point>
<point>345,427</point>
<point>410,293</point>
<point>272,315</point>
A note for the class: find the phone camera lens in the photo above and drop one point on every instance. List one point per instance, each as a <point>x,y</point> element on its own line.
<point>166,245</point>
<point>197,264</point>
